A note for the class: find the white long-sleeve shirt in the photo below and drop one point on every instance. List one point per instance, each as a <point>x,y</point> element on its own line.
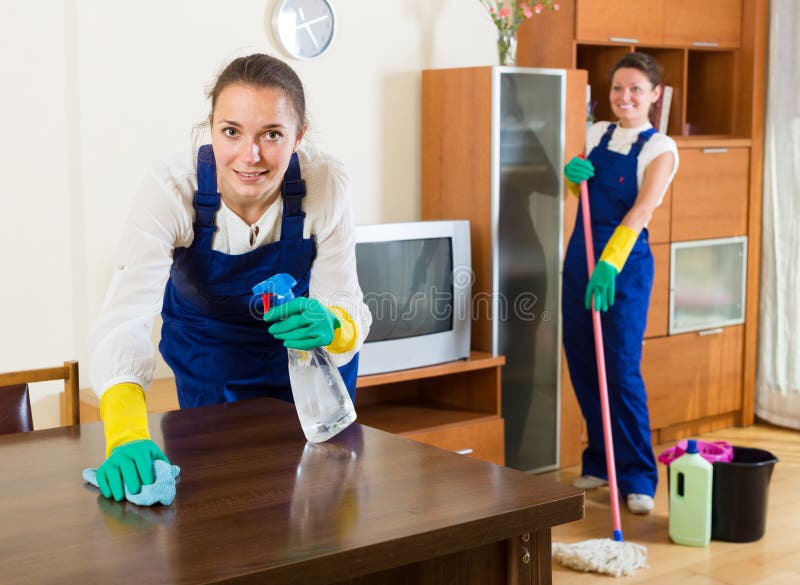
<point>120,345</point>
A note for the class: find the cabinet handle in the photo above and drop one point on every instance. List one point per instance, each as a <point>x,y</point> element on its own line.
<point>716,331</point>
<point>622,40</point>
<point>715,150</point>
<point>705,44</point>
<point>467,451</point>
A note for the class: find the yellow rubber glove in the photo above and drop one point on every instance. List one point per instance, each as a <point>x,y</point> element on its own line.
<point>574,188</point>
<point>124,414</point>
<point>619,247</point>
<point>129,451</point>
<point>344,336</point>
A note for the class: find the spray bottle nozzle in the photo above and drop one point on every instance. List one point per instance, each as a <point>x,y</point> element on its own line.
<point>276,290</point>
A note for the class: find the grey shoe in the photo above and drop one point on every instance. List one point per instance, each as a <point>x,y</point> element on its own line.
<point>640,503</point>
<point>589,482</point>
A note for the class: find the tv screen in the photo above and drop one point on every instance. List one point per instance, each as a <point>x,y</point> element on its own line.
<point>407,286</point>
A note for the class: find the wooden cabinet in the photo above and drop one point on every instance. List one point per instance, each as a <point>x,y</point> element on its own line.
<point>455,406</point>
<point>713,55</point>
<point>693,376</point>
<point>659,22</point>
<point>710,193</point>
<point>710,23</point>
<point>615,21</point>
<point>707,50</point>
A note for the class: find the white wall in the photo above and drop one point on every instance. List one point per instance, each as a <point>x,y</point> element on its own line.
<point>92,90</point>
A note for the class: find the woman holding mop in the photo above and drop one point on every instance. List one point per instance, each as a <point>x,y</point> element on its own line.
<point>628,169</point>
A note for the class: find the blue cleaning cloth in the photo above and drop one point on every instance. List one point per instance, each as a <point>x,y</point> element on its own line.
<point>162,490</point>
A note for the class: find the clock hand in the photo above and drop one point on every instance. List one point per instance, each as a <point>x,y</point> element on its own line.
<point>310,34</point>
<point>307,27</point>
<point>310,22</point>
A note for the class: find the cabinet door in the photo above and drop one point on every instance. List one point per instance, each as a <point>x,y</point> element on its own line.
<point>693,375</point>
<point>479,439</point>
<point>620,21</point>
<point>709,193</point>
<point>711,23</point>
<point>707,284</point>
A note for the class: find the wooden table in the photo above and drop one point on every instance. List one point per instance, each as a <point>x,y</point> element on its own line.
<point>256,504</point>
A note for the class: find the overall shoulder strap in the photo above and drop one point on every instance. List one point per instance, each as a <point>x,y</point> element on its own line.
<point>206,199</point>
<point>293,190</point>
<point>607,136</point>
<point>644,136</point>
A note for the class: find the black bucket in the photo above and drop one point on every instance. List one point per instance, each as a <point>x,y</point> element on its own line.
<point>739,503</point>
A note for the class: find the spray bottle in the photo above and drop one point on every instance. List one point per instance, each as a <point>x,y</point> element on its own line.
<point>320,396</point>
<point>690,482</point>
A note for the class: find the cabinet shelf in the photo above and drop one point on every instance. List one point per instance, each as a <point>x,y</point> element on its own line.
<point>452,427</point>
<point>702,81</point>
<point>414,415</point>
<point>455,405</point>
<point>418,413</point>
<point>478,360</point>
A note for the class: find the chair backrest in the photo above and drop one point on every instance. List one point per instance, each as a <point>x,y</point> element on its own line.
<point>11,381</point>
<point>15,409</point>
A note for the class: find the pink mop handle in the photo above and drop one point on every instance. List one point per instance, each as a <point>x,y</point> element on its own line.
<point>601,369</point>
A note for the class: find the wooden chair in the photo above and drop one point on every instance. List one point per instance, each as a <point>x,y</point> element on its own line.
<point>15,411</point>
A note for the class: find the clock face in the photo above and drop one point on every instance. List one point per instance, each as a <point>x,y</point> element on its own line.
<point>304,27</point>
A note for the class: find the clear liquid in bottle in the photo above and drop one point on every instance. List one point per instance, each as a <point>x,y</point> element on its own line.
<point>323,404</point>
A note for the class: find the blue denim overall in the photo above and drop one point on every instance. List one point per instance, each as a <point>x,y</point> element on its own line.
<point>612,193</point>
<point>213,336</point>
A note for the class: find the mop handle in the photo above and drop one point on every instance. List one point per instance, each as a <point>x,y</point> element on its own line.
<point>601,370</point>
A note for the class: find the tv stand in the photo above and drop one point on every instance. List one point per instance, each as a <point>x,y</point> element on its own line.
<point>455,406</point>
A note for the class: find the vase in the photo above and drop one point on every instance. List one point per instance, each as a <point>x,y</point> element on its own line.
<point>507,47</point>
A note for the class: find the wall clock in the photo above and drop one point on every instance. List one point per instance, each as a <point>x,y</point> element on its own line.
<point>304,28</point>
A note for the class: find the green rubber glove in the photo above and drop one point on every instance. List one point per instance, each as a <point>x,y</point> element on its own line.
<point>578,169</point>
<point>302,323</point>
<point>130,464</point>
<point>601,285</point>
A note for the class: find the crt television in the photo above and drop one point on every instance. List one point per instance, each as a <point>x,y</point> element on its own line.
<point>417,282</point>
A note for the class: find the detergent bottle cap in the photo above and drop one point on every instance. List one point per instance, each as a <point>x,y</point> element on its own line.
<point>691,446</point>
<point>279,287</point>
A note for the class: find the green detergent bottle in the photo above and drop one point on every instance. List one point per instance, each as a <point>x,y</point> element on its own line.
<point>690,481</point>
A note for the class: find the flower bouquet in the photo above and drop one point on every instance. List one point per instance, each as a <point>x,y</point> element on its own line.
<point>507,15</point>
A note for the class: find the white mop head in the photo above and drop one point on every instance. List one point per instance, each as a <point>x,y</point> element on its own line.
<point>602,555</point>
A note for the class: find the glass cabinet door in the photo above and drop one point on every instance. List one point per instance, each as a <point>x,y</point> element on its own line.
<point>528,140</point>
<point>707,284</point>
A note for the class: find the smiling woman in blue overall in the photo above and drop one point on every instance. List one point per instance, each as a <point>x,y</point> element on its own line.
<point>207,226</point>
<point>628,168</point>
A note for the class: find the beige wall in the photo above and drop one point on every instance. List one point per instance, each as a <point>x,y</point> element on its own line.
<point>94,89</point>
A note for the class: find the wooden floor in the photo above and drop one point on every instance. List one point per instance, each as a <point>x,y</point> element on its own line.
<point>773,560</point>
